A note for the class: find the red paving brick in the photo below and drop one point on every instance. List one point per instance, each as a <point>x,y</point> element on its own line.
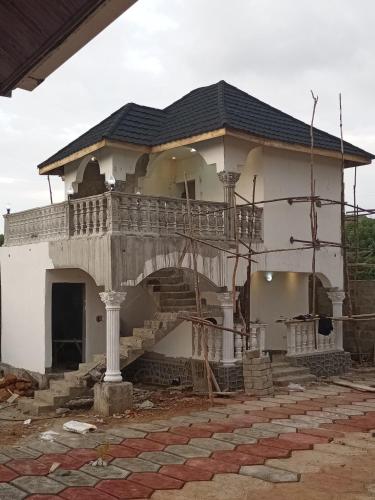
<point>168,438</point>
<point>289,410</point>
<point>86,454</point>
<point>84,493</point>
<point>285,444</point>
<point>212,465</point>
<point>156,481</point>
<point>359,425</point>
<point>120,488</point>
<point>185,473</point>
<point>329,434</point>
<point>308,405</point>
<point>119,451</point>
<point>143,444</point>
<point>48,497</point>
<point>191,432</point>
<point>28,467</point>
<point>238,458</point>
<point>268,414</point>
<point>297,437</point>
<point>6,474</point>
<point>264,451</point>
<point>65,461</point>
<point>339,427</point>
<point>247,420</point>
<point>215,427</point>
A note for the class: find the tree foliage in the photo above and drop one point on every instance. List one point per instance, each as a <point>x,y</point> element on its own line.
<point>364,234</point>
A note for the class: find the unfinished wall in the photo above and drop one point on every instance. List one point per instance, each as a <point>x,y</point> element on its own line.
<point>138,306</point>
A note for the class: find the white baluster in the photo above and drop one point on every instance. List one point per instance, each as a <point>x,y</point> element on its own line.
<point>253,338</point>
<point>218,345</point>
<point>291,339</point>
<point>210,344</point>
<point>298,338</point>
<point>310,336</point>
<point>262,339</point>
<point>238,346</point>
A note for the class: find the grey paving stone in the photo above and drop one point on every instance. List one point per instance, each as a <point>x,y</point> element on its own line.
<point>296,424</point>
<point>126,432</point>
<point>162,457</point>
<point>3,459</point>
<point>311,419</point>
<point>255,433</point>
<point>187,451</point>
<point>38,484</point>
<point>76,440</point>
<point>326,414</point>
<point>10,492</point>
<point>147,427</point>
<point>46,446</point>
<point>182,421</point>
<point>344,411</point>
<point>262,404</point>
<point>75,478</point>
<point>297,396</point>
<point>211,415</point>
<point>106,438</point>
<point>228,409</point>
<point>231,437</point>
<point>161,422</point>
<point>276,428</point>
<point>211,444</point>
<point>108,472</point>
<point>270,474</point>
<point>19,453</point>
<point>135,465</point>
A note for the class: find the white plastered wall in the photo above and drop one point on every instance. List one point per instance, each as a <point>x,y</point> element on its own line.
<point>177,343</point>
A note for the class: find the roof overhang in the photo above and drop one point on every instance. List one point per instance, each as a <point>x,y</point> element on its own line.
<point>34,54</point>
<point>56,167</point>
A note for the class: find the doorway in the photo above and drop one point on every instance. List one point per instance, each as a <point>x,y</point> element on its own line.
<point>68,310</point>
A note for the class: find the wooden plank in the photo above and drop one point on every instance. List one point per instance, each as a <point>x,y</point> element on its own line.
<point>352,385</point>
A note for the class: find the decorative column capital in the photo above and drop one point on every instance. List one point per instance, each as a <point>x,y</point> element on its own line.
<point>112,299</point>
<point>337,296</point>
<point>225,299</point>
<point>229,179</point>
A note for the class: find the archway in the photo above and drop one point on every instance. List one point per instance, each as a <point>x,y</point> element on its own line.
<point>93,182</point>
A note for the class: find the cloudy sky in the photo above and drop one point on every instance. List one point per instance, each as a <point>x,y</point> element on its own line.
<point>160,49</point>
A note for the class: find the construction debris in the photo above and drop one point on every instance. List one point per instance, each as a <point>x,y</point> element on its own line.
<point>48,435</point>
<point>12,385</point>
<point>79,427</point>
<point>352,385</point>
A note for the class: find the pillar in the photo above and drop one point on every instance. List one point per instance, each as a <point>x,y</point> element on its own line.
<point>229,180</point>
<point>112,301</point>
<point>226,303</point>
<point>337,298</point>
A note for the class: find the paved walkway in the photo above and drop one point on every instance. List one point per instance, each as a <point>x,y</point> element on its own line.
<point>293,445</point>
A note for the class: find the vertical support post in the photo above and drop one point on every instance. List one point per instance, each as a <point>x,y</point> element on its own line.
<point>337,298</point>
<point>229,180</point>
<point>113,212</point>
<point>112,301</point>
<point>226,303</point>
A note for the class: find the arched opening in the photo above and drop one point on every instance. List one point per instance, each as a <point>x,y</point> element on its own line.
<point>93,182</point>
<point>323,304</point>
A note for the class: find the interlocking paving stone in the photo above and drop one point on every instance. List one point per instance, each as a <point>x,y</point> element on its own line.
<point>118,451</point>
<point>136,465</point>
<point>274,428</point>
<point>287,410</point>
<point>77,441</point>
<point>311,419</point>
<point>74,478</point>
<point>187,451</point>
<point>231,437</point>
<point>186,473</point>
<point>263,404</point>
<point>168,438</point>
<point>270,474</point>
<point>84,454</point>
<point>147,427</point>
<point>85,493</point>
<point>6,474</point>
<point>209,414</point>
<point>106,438</point>
<point>38,484</point>
<point>46,446</point>
<point>28,467</point>
<point>120,488</point>
<point>182,420</point>
<point>304,438</point>
<point>238,458</point>
<point>360,407</point>
<point>211,444</point>
<point>367,404</point>
<point>340,427</point>
<point>108,472</point>
<point>214,427</point>
<point>126,432</point>
<point>65,461</point>
<point>255,433</point>
<point>247,420</point>
<point>156,481</point>
<point>264,451</point>
<point>143,444</point>
<point>161,457</point>
<point>19,453</point>
<point>164,423</point>
<point>10,492</point>
<point>343,411</point>
<point>308,405</point>
<point>296,424</point>
<point>327,433</point>
<point>4,459</point>
<point>360,426</point>
<point>212,465</point>
<point>191,432</point>
<point>326,414</point>
<point>292,397</point>
<point>286,444</point>
<point>43,497</point>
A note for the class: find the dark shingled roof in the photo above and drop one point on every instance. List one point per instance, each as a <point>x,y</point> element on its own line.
<point>203,110</point>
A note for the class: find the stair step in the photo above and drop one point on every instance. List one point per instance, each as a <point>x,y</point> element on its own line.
<point>179,287</point>
<point>52,398</point>
<point>304,379</point>
<point>34,408</point>
<point>165,280</point>
<point>168,272</point>
<point>281,364</point>
<point>179,308</point>
<point>143,333</point>
<point>177,302</point>
<point>65,387</point>
<point>289,371</point>
<point>179,294</point>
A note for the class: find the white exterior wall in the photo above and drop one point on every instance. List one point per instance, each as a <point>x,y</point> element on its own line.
<point>178,343</point>
<point>23,291</point>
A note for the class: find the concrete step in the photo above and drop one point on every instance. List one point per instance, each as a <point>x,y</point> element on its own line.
<point>165,280</point>
<point>184,294</point>
<point>65,387</point>
<point>34,408</point>
<point>289,371</point>
<point>179,287</point>
<point>52,398</point>
<point>177,302</point>
<point>277,365</point>
<point>143,333</point>
<point>182,308</point>
<point>302,379</point>
<point>168,272</point>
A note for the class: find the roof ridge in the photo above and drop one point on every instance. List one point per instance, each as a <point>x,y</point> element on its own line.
<point>221,102</point>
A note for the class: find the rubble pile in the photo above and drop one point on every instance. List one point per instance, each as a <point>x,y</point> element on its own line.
<point>11,384</point>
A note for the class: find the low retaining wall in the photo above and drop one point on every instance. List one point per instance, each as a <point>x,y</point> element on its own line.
<point>324,364</point>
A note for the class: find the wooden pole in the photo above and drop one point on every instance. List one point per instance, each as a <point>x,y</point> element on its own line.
<point>50,189</point>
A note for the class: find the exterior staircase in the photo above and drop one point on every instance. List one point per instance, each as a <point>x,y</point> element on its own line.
<point>173,296</point>
<point>283,373</point>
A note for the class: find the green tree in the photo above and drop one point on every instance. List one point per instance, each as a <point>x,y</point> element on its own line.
<point>361,248</point>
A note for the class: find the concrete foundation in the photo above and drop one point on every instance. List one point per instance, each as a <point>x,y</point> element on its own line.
<point>112,398</point>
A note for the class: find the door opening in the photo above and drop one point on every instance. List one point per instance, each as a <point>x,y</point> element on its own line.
<point>68,309</point>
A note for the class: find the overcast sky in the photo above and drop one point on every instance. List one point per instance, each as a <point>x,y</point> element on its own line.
<point>276,50</point>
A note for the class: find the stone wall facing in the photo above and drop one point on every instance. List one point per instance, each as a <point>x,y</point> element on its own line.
<point>257,374</point>
<point>324,364</point>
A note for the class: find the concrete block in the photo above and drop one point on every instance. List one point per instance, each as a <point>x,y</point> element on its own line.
<point>251,354</point>
<point>112,397</point>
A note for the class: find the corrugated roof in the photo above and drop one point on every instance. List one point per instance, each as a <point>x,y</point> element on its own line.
<point>203,110</point>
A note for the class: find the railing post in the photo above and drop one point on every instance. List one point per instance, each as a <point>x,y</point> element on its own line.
<point>337,298</point>
<point>229,180</point>
<point>113,212</point>
<point>226,302</point>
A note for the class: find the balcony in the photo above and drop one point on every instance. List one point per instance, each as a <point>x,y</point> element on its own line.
<point>127,214</point>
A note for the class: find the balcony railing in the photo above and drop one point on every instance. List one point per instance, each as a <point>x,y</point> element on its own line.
<point>303,338</point>
<point>128,214</point>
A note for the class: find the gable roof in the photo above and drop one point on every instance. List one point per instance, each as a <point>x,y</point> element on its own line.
<point>202,110</point>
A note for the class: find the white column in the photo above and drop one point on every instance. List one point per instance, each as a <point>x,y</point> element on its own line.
<point>337,298</point>
<point>112,301</point>
<point>226,303</point>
